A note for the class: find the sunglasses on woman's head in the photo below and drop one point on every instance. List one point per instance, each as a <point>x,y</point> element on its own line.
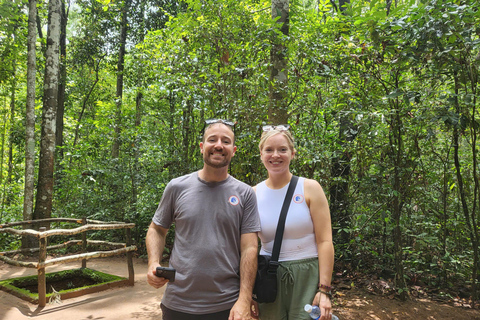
<point>226,122</point>
<point>280,127</point>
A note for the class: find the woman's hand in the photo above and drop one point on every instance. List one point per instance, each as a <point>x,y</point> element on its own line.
<point>323,302</point>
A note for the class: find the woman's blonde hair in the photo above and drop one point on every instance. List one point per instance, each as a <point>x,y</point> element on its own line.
<point>271,133</point>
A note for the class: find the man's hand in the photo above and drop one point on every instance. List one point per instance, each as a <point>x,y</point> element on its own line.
<point>153,280</point>
<point>155,242</point>
<point>240,310</point>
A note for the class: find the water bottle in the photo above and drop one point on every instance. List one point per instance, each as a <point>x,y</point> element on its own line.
<point>315,313</point>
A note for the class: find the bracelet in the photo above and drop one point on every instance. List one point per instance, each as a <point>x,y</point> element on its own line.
<point>323,286</point>
<point>327,293</point>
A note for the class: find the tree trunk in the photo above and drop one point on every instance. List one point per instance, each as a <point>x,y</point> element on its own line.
<point>136,177</point>
<point>6,196</point>
<point>85,101</point>
<point>397,150</point>
<point>186,130</point>
<point>443,213</point>
<point>476,197</point>
<point>43,204</point>
<point>470,215</point>
<point>61,84</point>
<point>342,5</point>
<point>278,109</point>
<point>463,201</point>
<point>476,181</point>
<point>30,120</point>
<point>389,5</point>
<point>339,189</point>
<point>12,119</point>
<point>120,68</point>
<point>2,152</point>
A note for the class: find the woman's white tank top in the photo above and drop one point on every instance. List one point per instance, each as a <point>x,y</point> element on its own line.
<point>298,237</point>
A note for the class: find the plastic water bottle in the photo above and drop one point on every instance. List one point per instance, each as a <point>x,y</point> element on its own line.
<point>315,313</point>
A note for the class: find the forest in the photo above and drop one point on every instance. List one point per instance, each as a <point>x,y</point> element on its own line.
<point>103,102</point>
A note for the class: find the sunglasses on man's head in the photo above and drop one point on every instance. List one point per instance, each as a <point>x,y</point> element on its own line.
<point>226,122</point>
<point>280,127</point>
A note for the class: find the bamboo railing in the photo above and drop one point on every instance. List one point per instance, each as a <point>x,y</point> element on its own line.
<point>42,234</point>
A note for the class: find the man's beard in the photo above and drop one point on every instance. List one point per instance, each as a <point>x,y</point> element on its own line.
<point>216,165</point>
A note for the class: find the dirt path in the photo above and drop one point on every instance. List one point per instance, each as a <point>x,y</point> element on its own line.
<point>142,301</point>
<point>138,302</point>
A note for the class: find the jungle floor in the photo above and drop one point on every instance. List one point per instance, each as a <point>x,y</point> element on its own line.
<point>356,299</point>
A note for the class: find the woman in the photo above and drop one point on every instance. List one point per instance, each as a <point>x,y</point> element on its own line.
<point>307,254</point>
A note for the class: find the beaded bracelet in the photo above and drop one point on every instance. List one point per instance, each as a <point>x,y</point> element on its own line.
<point>323,286</point>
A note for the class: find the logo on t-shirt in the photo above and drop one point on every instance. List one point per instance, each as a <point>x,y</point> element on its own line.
<point>298,198</point>
<point>233,200</point>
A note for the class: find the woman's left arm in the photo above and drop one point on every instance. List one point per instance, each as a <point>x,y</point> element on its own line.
<point>320,212</point>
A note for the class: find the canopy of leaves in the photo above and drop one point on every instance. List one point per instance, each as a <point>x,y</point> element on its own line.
<point>386,92</point>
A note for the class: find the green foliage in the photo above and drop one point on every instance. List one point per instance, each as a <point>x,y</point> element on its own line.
<point>381,94</point>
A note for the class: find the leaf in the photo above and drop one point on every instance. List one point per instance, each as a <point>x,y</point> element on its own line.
<point>395,94</point>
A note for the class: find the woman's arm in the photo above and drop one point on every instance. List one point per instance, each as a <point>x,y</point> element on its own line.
<point>320,212</point>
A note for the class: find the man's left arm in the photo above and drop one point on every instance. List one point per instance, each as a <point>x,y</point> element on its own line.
<point>248,271</point>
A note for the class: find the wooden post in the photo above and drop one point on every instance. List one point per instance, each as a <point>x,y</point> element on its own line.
<point>131,273</point>
<point>84,242</point>
<point>42,281</point>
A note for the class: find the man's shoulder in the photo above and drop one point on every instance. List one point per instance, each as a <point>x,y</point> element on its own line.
<point>182,182</point>
<point>185,178</point>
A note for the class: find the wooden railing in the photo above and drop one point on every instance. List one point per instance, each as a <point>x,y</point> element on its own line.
<point>43,234</point>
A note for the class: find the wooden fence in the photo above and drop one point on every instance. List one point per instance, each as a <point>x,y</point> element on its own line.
<point>43,234</point>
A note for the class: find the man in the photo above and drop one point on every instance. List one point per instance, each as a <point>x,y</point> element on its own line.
<point>215,248</point>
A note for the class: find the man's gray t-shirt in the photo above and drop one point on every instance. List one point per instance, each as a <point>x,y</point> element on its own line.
<point>209,220</point>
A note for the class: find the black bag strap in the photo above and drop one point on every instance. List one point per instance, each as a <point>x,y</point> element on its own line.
<point>281,223</point>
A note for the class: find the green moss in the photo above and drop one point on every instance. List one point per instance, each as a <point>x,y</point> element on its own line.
<point>70,277</point>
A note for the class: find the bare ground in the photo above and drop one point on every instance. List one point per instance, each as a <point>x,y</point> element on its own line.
<point>142,301</point>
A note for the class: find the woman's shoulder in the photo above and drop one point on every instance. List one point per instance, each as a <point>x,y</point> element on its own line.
<point>312,187</point>
<point>314,194</point>
<point>311,182</point>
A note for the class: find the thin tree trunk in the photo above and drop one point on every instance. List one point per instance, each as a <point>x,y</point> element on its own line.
<point>461,189</point>
<point>343,4</point>
<point>2,151</point>
<point>476,195</point>
<point>443,216</point>
<point>463,200</point>
<point>85,101</point>
<point>187,118</point>
<point>38,25</point>
<point>396,145</point>
<point>62,80</point>
<point>12,119</point>
<point>120,69</point>
<point>339,189</point>
<point>389,5</point>
<point>136,177</point>
<point>278,109</point>
<point>43,204</point>
<point>30,120</point>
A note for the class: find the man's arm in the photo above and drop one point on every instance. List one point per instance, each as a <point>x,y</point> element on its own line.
<point>248,271</point>
<point>155,242</point>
